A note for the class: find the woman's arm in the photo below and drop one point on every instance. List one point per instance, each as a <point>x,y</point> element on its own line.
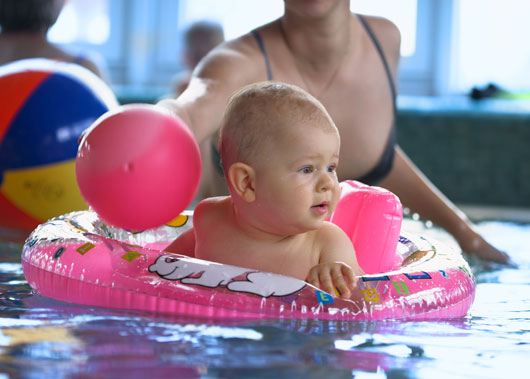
<point>419,194</point>
<point>221,73</point>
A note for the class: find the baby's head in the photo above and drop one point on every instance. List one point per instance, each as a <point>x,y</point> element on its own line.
<point>279,149</point>
<point>259,115</point>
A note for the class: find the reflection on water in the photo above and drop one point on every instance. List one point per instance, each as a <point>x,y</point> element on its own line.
<point>40,337</point>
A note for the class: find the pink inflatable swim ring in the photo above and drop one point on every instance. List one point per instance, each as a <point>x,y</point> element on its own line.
<point>78,258</point>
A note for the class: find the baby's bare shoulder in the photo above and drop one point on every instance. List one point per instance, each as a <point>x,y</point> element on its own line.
<point>330,231</point>
<point>211,209</point>
<point>334,244</point>
<point>212,204</point>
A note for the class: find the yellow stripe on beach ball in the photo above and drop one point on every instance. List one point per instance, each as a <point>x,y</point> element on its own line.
<point>45,191</point>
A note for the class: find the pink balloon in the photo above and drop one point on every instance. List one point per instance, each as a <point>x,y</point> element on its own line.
<point>138,167</point>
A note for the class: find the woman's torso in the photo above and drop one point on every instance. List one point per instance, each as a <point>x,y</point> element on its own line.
<point>360,98</point>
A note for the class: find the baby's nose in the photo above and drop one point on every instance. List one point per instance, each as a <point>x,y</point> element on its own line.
<point>325,182</point>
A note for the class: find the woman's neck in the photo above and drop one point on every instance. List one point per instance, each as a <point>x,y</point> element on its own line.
<point>318,41</point>
<point>318,46</point>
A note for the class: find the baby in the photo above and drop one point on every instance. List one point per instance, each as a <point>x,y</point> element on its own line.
<point>280,151</point>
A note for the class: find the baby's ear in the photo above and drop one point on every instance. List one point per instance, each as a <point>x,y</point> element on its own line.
<point>242,178</point>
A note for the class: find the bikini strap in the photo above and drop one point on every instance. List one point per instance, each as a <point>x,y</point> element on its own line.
<point>382,55</point>
<point>261,45</point>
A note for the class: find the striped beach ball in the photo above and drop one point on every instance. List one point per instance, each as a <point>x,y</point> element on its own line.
<point>44,107</point>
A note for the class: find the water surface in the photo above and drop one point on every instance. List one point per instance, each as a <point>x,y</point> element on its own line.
<point>40,337</point>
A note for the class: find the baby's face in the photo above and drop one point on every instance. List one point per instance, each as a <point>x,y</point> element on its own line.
<point>296,185</point>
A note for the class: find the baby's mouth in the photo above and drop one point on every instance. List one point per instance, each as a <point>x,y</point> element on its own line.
<point>321,208</point>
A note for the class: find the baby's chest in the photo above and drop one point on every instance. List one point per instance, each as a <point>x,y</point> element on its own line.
<point>290,256</point>
<point>292,261</point>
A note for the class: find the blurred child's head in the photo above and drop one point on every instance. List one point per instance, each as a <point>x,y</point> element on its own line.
<point>200,38</point>
<point>29,15</point>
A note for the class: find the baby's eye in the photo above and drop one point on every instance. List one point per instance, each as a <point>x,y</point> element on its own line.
<point>306,170</point>
<point>332,168</point>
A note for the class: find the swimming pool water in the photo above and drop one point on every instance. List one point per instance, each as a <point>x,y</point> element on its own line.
<point>40,337</point>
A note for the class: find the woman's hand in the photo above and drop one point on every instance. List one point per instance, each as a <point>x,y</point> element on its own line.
<point>473,243</point>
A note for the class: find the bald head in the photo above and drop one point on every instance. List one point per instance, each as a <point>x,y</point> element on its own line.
<point>258,115</point>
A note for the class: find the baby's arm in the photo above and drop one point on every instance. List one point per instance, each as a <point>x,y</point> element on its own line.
<point>184,244</point>
<point>337,265</point>
<point>203,241</point>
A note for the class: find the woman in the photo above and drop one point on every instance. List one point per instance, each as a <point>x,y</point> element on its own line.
<point>350,64</point>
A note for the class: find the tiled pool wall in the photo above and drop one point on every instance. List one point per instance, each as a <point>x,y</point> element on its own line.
<point>476,152</point>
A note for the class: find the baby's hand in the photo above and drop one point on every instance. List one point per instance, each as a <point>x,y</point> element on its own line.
<point>329,275</point>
